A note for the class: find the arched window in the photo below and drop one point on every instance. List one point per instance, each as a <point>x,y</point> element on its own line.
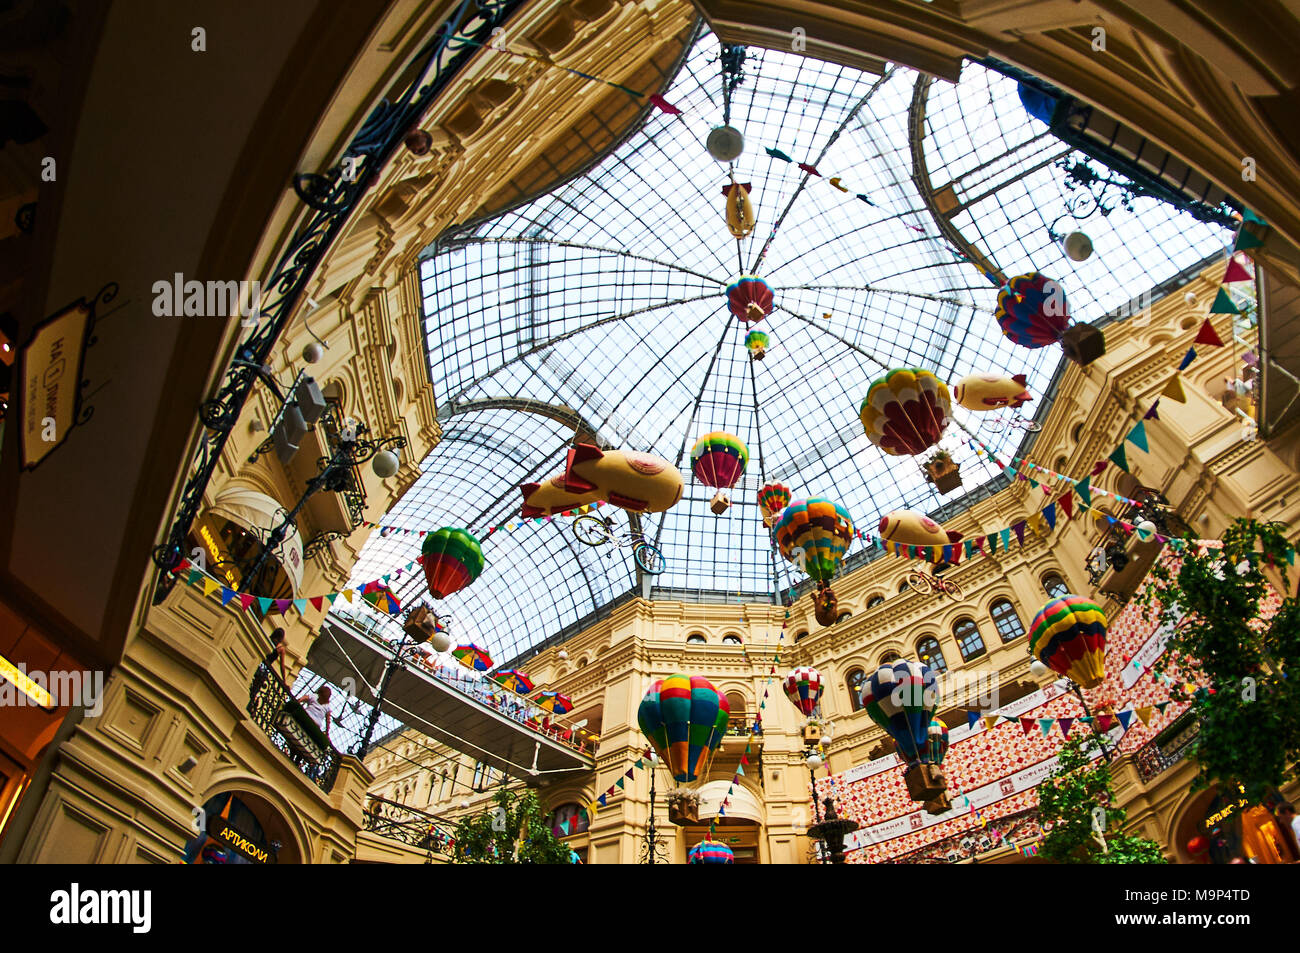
<point>738,717</point>
<point>875,600</point>
<point>967,634</point>
<point>929,652</point>
<point>731,640</point>
<point>568,819</point>
<point>904,587</point>
<point>842,616</point>
<point>1054,585</point>
<point>854,681</point>
<point>696,639</point>
<point>801,636</point>
<point>888,657</point>
<point>1005,620</point>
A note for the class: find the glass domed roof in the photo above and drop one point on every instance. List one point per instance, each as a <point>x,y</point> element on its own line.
<point>601,309</point>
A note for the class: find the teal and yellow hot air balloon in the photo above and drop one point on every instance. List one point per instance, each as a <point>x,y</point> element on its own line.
<point>906,411</point>
<point>452,559</point>
<point>814,535</point>
<point>1069,636</point>
<point>684,717</point>
<point>756,342</point>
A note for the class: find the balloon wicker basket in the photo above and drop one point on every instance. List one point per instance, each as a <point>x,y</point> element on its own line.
<point>925,782</point>
<point>825,607</point>
<point>757,354</point>
<point>1083,344</point>
<point>945,475</point>
<point>720,503</point>
<point>419,625</point>
<point>938,805</point>
<point>683,808</point>
<point>812,735</point>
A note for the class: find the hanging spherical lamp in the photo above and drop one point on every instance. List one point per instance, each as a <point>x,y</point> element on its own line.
<point>1077,245</point>
<point>725,143</point>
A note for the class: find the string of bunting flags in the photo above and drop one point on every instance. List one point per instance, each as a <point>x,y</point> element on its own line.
<point>1104,722</point>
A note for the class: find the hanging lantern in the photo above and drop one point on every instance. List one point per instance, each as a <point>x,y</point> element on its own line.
<point>740,209</point>
<point>756,342</point>
<point>750,299</point>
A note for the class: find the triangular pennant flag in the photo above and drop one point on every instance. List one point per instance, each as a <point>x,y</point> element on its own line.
<point>1119,458</point>
<point>1236,272</point>
<point>227,594</point>
<point>1151,414</point>
<point>778,154</point>
<point>1222,305</point>
<point>1187,359</point>
<point>1246,240</point>
<point>620,782</point>
<point>300,605</point>
<point>1174,390</point>
<point>640,763</point>
<point>1144,714</point>
<point>1086,719</point>
<point>264,604</point>
<point>1026,725</point>
<point>1104,722</point>
<point>629,773</point>
<point>1045,726</point>
<point>739,770</point>
<point>1006,539</point>
<point>836,182</point>
<point>1049,514</point>
<point>1019,529</point>
<point>1067,504</point>
<point>600,800</point>
<point>809,169</point>
<point>332,597</point>
<point>990,721</point>
<point>971,718</point>
<point>195,575</point>
<point>1138,437</point>
<point>1124,718</point>
<point>210,586</point>
<point>1162,706</point>
<point>1084,490</point>
<point>970,548</point>
<point>316,602</point>
<point>348,594</point>
<point>282,605</point>
<point>245,600</point>
<point>1207,335</point>
<point>1066,724</point>
<point>1250,216</point>
<point>660,103</point>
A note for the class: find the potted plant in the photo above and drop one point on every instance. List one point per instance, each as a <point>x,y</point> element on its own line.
<point>683,806</point>
<point>942,471</point>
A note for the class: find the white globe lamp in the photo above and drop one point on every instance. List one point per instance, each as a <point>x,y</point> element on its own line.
<point>312,353</point>
<point>440,642</point>
<point>385,464</point>
<point>1078,246</point>
<point>1037,669</point>
<point>725,143</point>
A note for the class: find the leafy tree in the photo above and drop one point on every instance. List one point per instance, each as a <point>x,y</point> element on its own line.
<point>1250,712</point>
<point>513,832</point>
<point>1076,800</point>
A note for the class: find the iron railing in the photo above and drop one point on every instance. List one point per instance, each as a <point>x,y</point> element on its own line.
<point>409,826</point>
<point>1168,748</point>
<point>274,709</point>
<point>331,197</point>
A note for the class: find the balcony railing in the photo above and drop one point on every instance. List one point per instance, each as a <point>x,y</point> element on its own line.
<point>1168,748</point>
<point>406,824</point>
<point>273,707</point>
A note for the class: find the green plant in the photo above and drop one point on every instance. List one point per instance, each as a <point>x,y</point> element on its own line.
<point>1249,712</point>
<point>1076,800</point>
<point>513,832</point>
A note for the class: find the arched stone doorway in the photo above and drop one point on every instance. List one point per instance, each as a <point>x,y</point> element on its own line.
<point>1218,827</point>
<point>740,828</point>
<point>242,827</point>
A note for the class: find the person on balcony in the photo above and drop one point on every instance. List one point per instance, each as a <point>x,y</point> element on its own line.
<point>277,653</point>
<point>318,709</point>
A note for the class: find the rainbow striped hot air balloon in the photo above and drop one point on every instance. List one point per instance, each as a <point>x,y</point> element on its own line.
<point>711,852</point>
<point>936,743</point>
<point>901,697</point>
<point>750,299</point>
<point>1069,636</point>
<point>814,535</point>
<point>1032,311</point>
<point>452,559</point>
<point>906,411</point>
<point>803,687</point>
<point>756,342</point>
<point>772,499</point>
<point>684,717</point>
<point>718,459</point>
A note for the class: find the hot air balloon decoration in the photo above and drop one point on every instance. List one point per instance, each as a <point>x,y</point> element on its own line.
<point>772,499</point>
<point>635,481</point>
<point>984,392</point>
<point>901,697</point>
<point>684,717</point>
<point>718,459</point>
<point>906,411</point>
<point>711,852</point>
<point>452,559</point>
<point>1069,636</point>
<point>814,535</point>
<point>750,299</point>
<point>756,342</point>
<point>804,686</point>
<point>936,747</point>
<point>826,606</point>
<point>913,534</point>
<point>1032,312</point>
<point>740,209</point>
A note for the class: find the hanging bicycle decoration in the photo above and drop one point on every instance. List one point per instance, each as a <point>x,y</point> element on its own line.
<point>596,531</point>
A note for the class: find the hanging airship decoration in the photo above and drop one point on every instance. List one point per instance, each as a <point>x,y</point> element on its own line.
<point>740,209</point>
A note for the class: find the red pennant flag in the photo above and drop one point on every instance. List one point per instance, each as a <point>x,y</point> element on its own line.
<point>809,169</point>
<point>1099,467</point>
<point>1105,721</point>
<point>1067,504</point>
<point>246,600</point>
<point>1027,725</point>
<point>1236,272</point>
<point>660,103</point>
<point>1208,336</point>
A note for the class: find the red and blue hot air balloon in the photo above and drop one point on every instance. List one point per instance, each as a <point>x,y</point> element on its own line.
<point>803,687</point>
<point>684,717</point>
<point>711,852</point>
<point>750,299</point>
<point>718,459</point>
<point>901,697</point>
<point>1032,311</point>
